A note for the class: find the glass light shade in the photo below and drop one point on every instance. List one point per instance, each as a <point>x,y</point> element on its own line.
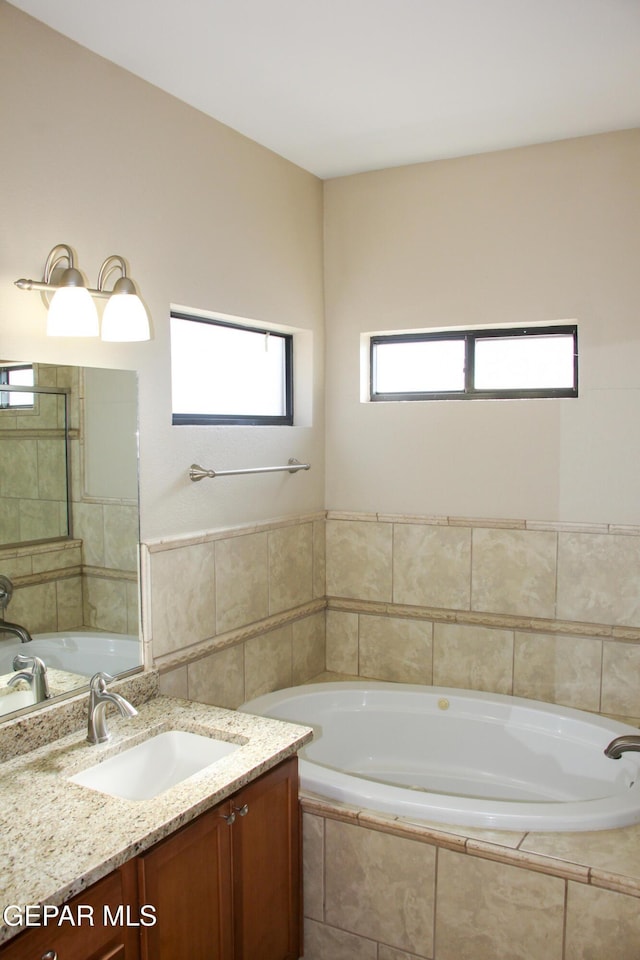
<point>72,314</point>
<point>125,318</point>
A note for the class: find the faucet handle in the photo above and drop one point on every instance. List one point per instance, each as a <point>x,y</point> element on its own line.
<point>19,661</point>
<point>99,681</point>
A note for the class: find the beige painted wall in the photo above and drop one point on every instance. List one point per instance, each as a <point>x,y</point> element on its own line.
<point>99,159</point>
<point>531,235</point>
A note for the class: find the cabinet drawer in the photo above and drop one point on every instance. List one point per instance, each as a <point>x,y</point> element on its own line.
<point>84,941</point>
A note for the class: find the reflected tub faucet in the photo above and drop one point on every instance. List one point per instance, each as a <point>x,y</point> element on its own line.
<point>21,632</point>
<point>37,679</point>
<point>99,700</point>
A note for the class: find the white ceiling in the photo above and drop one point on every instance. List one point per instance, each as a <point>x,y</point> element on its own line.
<point>342,86</point>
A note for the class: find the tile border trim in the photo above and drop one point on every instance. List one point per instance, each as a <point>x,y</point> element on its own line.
<point>504,621</point>
<point>232,638</point>
<point>452,838</point>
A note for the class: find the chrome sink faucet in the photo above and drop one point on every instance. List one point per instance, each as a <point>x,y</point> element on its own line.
<point>37,679</point>
<point>99,700</point>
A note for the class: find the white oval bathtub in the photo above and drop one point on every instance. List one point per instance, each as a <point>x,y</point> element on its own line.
<point>460,756</point>
<point>76,651</point>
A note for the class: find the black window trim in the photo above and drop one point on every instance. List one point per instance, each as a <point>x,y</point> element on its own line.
<point>5,380</point>
<point>470,337</point>
<point>255,420</point>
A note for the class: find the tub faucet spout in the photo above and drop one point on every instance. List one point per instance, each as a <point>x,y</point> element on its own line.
<point>99,699</point>
<point>16,629</point>
<point>621,744</point>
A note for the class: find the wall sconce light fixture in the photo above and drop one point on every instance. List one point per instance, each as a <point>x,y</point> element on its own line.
<point>72,312</point>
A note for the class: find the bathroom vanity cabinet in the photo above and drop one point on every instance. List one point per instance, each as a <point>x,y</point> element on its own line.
<point>227,886</point>
<point>224,887</point>
<point>82,939</point>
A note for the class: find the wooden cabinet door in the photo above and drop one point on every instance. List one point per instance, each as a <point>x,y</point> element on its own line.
<point>266,867</point>
<point>187,878</point>
<point>96,941</point>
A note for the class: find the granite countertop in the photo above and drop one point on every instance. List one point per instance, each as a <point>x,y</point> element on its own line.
<point>59,837</point>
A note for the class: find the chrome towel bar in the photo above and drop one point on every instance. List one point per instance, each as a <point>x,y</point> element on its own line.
<point>196,472</point>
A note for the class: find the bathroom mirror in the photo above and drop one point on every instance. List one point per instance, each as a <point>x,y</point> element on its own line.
<point>69,526</point>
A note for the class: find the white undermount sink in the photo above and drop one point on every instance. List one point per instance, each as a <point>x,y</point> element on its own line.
<point>151,767</point>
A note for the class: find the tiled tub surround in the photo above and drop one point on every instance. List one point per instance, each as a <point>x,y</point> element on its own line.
<point>235,613</point>
<point>545,611</point>
<point>43,863</point>
<point>377,888</point>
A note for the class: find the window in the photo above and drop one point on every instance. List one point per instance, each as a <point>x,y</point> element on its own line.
<point>475,364</point>
<point>226,373</point>
<point>16,375</point>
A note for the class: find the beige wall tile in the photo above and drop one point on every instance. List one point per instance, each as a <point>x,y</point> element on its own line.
<point>558,669</point>
<point>342,642</point>
<point>183,609</point>
<point>308,648</point>
<point>132,592</point>
<point>598,578</point>
<point>218,678</point>
<point>493,911</point>
<point>326,943</point>
<point>432,565</point>
<point>20,469</point>
<point>621,679</point>
<point>69,604</point>
<point>359,559</point>
<point>267,662</point>
<point>105,604</point>
<point>57,559</point>
<point>601,925</point>
<point>319,559</point>
<point>9,521</point>
<point>121,536</point>
<point>474,658</point>
<point>514,571</point>
<point>290,567</point>
<point>35,607</point>
<point>242,580</point>
<point>313,865</point>
<point>88,524</point>
<point>52,469</point>
<point>388,953</point>
<point>395,649</point>
<point>40,518</point>
<point>380,886</point>
<point>174,683</point>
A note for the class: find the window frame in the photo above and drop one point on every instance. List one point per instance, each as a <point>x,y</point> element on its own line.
<point>253,420</point>
<point>470,337</point>
<point>6,369</point>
